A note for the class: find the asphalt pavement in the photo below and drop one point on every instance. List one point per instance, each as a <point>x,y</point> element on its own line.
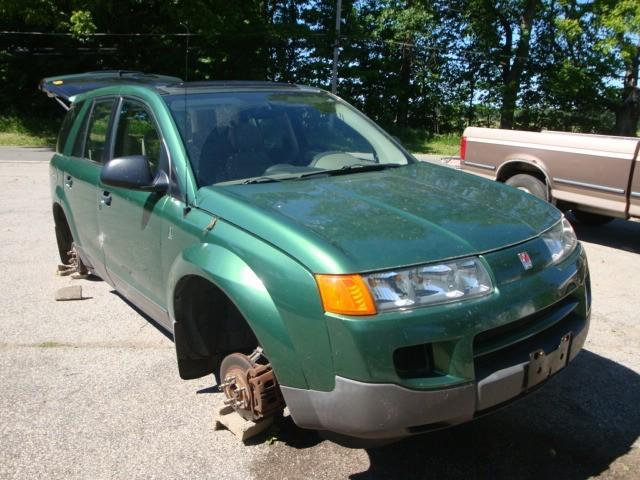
<point>89,389</point>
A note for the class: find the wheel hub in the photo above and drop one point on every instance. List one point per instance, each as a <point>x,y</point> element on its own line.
<point>251,388</point>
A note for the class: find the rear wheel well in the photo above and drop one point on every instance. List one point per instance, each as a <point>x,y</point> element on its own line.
<point>208,326</point>
<point>64,237</point>
<point>514,168</point>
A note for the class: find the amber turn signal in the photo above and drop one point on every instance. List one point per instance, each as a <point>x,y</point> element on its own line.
<point>345,294</point>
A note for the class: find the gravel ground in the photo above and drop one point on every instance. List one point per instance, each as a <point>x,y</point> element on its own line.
<point>90,389</point>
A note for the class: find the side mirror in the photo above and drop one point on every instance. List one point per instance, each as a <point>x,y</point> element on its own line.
<point>133,172</point>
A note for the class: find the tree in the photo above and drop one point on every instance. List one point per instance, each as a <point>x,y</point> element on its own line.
<point>503,30</point>
<point>620,22</point>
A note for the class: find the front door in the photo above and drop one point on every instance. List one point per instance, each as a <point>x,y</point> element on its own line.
<point>131,222</point>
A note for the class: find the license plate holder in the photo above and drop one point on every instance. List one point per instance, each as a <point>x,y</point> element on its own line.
<point>542,365</point>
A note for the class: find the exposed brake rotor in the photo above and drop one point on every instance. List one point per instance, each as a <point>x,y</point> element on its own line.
<point>251,388</point>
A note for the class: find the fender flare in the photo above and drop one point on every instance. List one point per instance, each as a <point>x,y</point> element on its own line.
<point>235,278</point>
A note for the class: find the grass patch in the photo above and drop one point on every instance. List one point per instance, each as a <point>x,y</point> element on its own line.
<point>31,132</point>
<point>49,344</point>
<point>420,141</point>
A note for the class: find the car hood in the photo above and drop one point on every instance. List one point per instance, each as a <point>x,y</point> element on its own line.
<point>377,220</point>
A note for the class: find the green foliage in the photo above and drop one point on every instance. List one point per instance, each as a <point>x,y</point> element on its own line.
<point>82,24</point>
<point>425,67</point>
<point>418,140</point>
<point>28,131</point>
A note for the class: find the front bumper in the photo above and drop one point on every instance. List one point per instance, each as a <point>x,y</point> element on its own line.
<point>481,353</point>
<point>380,411</point>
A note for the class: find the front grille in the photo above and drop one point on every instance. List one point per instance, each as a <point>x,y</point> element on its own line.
<point>494,339</point>
<point>511,344</point>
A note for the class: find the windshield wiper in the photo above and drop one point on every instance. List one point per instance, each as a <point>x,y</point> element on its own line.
<point>249,181</point>
<point>357,168</point>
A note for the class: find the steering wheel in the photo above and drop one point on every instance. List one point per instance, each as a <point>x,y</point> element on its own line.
<point>333,160</point>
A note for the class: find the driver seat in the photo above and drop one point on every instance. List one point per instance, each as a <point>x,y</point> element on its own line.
<point>250,158</point>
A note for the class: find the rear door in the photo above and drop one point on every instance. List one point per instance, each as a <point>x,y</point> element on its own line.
<point>81,178</point>
<point>131,222</point>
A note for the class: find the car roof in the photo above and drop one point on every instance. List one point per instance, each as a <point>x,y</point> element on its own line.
<point>228,85</point>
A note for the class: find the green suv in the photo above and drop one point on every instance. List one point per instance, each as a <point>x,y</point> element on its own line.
<point>299,253</point>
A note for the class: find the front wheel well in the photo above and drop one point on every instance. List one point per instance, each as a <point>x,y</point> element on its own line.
<point>208,326</point>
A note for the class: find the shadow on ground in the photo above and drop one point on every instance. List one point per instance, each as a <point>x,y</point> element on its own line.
<point>153,323</point>
<point>620,234</point>
<point>574,427</point>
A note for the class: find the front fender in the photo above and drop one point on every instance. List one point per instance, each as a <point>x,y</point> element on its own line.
<point>248,291</point>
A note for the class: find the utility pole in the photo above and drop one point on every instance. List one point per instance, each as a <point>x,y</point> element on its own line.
<point>336,48</point>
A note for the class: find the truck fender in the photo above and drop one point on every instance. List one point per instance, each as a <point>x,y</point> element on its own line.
<point>228,272</point>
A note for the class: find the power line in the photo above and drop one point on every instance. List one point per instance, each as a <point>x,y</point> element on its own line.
<point>99,34</point>
<point>460,53</point>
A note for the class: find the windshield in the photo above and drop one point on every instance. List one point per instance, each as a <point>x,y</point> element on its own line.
<point>238,137</point>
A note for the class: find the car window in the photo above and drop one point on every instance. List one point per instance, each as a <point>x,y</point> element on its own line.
<point>67,123</point>
<point>78,143</point>
<point>323,131</point>
<point>136,134</point>
<point>233,136</point>
<point>96,139</point>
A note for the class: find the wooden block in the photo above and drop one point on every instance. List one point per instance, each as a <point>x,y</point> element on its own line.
<point>72,292</point>
<point>226,417</point>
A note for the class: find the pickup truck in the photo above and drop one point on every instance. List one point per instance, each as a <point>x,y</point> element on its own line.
<point>595,176</point>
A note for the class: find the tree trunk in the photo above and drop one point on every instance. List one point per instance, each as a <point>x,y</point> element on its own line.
<point>402,112</point>
<point>628,113</point>
<point>512,73</point>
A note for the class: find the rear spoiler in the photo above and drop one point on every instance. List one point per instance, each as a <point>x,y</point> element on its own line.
<point>63,88</point>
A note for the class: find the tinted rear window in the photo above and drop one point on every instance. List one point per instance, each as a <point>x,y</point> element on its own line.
<point>67,123</point>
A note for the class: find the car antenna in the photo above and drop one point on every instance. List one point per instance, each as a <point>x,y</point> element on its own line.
<point>187,208</point>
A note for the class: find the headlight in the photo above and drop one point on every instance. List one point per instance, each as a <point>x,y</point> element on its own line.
<point>429,284</point>
<point>561,240</point>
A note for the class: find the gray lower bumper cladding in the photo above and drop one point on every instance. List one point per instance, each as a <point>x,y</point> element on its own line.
<point>381,411</point>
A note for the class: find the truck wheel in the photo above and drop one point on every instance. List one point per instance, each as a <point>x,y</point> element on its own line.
<point>591,218</point>
<point>529,184</point>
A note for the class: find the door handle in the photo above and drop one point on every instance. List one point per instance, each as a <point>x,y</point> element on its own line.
<point>68,181</point>
<point>105,198</point>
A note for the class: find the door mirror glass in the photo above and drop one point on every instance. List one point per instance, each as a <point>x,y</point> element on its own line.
<point>133,172</point>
